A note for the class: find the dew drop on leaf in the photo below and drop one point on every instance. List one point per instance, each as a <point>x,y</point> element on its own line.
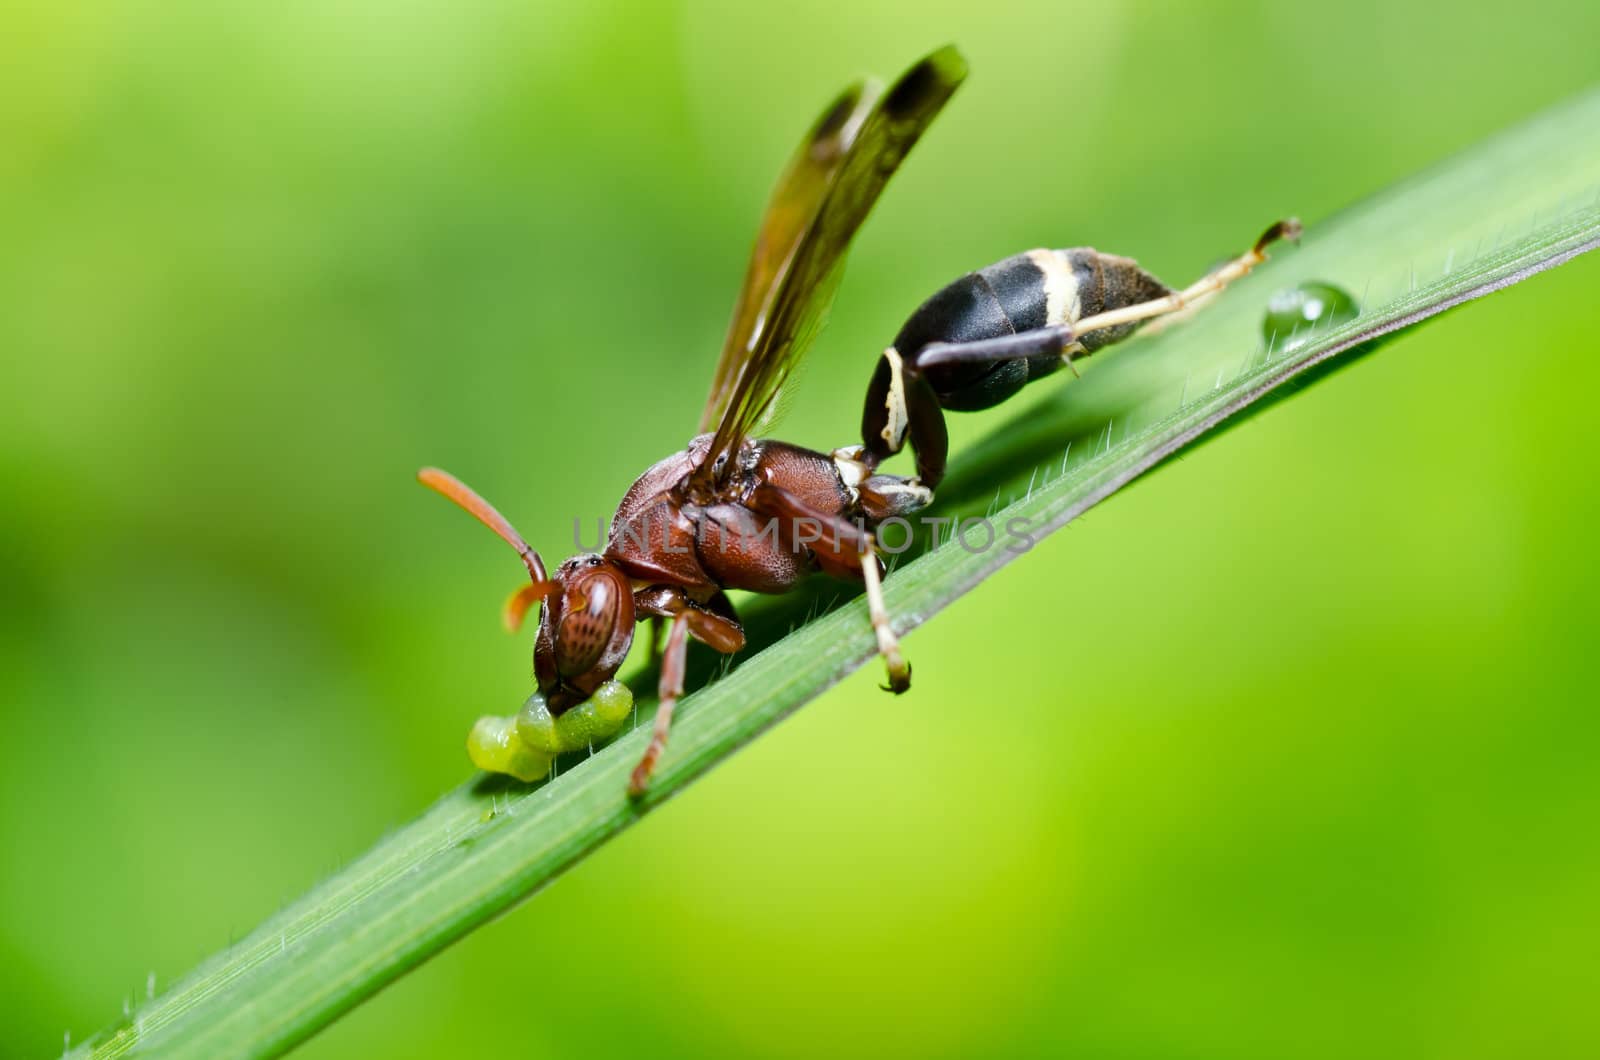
<point>1295,312</point>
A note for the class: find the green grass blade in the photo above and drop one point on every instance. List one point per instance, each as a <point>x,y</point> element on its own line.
<point>1522,202</point>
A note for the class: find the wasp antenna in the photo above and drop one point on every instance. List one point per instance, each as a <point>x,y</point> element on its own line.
<point>447,484</point>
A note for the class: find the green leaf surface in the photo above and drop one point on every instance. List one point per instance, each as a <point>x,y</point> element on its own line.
<point>1517,204</point>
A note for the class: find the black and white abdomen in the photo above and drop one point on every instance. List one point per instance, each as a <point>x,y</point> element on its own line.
<point>1037,292</point>
<point>1032,290</point>
<point>984,337</point>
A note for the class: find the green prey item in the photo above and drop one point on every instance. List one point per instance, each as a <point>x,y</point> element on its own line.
<point>524,745</point>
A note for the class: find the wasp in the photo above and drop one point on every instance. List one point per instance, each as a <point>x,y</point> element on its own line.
<point>733,511</point>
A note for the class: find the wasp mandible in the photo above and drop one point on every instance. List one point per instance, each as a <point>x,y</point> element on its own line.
<point>733,511</point>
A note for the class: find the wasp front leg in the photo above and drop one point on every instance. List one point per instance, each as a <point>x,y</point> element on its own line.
<point>670,688</point>
<point>712,623</point>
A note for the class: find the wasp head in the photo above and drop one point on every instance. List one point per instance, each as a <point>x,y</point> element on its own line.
<point>585,629</point>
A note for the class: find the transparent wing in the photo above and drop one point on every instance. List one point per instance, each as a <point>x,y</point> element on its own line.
<point>813,215</point>
<point>795,201</point>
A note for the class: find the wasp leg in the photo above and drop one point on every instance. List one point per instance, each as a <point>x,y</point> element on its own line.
<point>888,643</point>
<point>712,623</point>
<point>1209,284</point>
<point>835,541</point>
<point>670,688</point>
<point>852,551</point>
<point>1058,338</point>
<point>884,497</point>
<point>902,406</point>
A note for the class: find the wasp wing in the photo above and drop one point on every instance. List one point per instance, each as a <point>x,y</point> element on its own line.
<point>794,204</point>
<point>823,197</point>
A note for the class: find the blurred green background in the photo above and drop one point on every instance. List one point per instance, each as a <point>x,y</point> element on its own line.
<point>1309,765</point>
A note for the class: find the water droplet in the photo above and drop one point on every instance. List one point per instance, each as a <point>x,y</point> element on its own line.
<point>1295,312</point>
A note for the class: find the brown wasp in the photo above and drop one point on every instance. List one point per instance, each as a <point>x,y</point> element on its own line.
<point>732,511</point>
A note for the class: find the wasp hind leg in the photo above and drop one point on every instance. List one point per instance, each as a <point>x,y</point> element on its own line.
<point>1212,283</point>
